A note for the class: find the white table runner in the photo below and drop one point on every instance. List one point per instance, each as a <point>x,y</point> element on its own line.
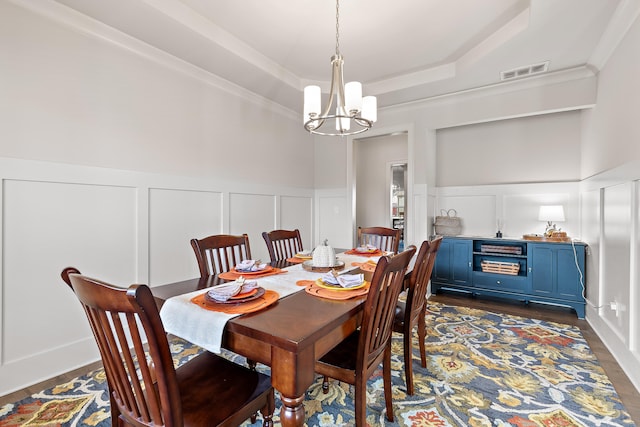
<point>205,328</point>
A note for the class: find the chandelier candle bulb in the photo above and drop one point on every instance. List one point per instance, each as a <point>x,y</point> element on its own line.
<point>370,108</point>
<point>353,97</point>
<point>312,100</point>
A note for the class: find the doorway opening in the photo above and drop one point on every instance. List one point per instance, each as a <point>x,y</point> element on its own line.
<point>373,159</point>
<point>398,205</point>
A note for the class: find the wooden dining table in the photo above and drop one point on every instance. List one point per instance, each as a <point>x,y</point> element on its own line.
<point>289,336</point>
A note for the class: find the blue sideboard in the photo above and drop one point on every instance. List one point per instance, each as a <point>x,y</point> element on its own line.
<point>529,271</point>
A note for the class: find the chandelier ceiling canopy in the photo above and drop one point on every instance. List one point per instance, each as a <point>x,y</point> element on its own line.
<point>350,105</point>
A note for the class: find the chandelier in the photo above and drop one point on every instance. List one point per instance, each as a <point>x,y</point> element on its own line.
<point>350,106</point>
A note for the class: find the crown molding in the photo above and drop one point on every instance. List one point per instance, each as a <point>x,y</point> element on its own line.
<point>623,18</point>
<point>539,80</point>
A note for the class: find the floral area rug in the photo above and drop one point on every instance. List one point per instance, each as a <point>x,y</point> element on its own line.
<point>483,369</point>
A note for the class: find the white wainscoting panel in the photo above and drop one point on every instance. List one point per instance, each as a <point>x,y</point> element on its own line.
<point>431,204</point>
<point>176,217</point>
<point>590,209</point>
<point>119,226</point>
<point>514,205</point>
<point>611,215</point>
<point>297,212</point>
<point>252,214</point>
<point>47,227</point>
<point>616,264</point>
<point>334,217</point>
<point>477,213</point>
<point>522,210</point>
<point>417,227</point>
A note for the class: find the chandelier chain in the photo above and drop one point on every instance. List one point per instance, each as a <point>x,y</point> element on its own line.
<point>337,27</point>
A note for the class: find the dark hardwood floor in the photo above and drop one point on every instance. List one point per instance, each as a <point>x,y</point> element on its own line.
<point>627,392</point>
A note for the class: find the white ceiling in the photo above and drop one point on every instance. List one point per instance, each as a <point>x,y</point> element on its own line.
<point>401,50</point>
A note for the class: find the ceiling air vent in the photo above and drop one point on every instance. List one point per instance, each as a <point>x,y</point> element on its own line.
<point>525,71</point>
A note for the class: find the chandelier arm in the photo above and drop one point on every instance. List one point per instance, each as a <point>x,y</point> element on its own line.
<point>332,89</point>
<point>339,78</point>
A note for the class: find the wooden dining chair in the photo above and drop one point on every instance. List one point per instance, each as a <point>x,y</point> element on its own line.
<point>356,358</point>
<point>144,387</point>
<point>411,313</point>
<point>220,253</point>
<point>282,244</point>
<point>383,238</point>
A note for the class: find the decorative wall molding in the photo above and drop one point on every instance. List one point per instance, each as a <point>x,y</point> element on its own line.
<point>120,226</point>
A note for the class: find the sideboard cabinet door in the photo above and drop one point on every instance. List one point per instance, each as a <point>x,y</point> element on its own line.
<point>461,262</point>
<point>453,262</point>
<point>556,270</point>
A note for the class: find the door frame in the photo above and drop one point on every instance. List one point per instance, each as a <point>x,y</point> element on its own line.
<point>351,177</point>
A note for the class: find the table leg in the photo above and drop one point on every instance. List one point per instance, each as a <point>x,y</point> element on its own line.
<point>292,411</point>
<point>291,375</point>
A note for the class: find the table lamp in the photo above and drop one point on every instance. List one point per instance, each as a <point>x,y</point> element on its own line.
<point>551,213</point>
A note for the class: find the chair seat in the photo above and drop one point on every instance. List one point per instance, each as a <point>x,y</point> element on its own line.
<point>208,379</point>
<point>342,356</point>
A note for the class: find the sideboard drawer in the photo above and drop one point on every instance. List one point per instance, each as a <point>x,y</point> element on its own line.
<point>501,282</point>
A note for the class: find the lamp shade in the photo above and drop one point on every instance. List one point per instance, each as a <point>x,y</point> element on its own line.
<point>353,97</point>
<point>370,108</point>
<point>312,99</point>
<point>551,213</point>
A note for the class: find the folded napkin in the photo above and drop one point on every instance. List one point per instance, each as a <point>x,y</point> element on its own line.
<point>250,265</point>
<point>344,280</point>
<point>225,291</point>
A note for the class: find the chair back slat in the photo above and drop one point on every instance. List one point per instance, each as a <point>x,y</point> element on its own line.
<point>379,308</point>
<point>282,244</point>
<point>383,238</point>
<point>220,253</point>
<point>134,350</point>
<point>145,389</point>
<point>420,276</point>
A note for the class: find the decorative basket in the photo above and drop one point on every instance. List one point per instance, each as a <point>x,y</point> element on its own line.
<point>499,267</point>
<point>448,223</point>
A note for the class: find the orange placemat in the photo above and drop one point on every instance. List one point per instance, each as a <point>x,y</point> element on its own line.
<point>317,291</point>
<point>296,260</point>
<point>265,300</point>
<point>377,252</point>
<point>369,266</point>
<point>233,275</point>
<point>305,282</point>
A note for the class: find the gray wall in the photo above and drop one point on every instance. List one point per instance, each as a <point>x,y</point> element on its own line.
<point>544,148</point>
